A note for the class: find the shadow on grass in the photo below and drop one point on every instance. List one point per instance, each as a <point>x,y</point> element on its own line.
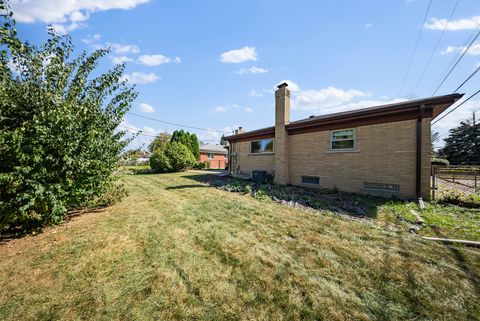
<point>20,231</point>
<point>356,205</point>
<point>473,277</point>
<point>185,186</point>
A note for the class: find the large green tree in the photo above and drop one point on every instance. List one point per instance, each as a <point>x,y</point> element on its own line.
<point>159,142</point>
<point>462,146</point>
<point>59,143</point>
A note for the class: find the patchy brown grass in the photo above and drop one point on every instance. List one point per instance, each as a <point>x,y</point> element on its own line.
<point>175,249</point>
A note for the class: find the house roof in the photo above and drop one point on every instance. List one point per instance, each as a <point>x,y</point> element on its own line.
<point>213,148</point>
<point>434,106</point>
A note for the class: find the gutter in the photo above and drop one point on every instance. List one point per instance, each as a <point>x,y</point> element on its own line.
<point>418,180</point>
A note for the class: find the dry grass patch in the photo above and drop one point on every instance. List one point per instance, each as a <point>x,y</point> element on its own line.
<point>176,249</point>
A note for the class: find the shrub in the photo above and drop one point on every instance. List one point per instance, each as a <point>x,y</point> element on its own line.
<point>112,196</point>
<point>159,162</point>
<point>175,157</point>
<point>179,156</point>
<point>201,165</point>
<point>440,161</point>
<point>58,117</point>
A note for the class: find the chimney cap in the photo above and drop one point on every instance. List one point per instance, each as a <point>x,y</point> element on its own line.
<point>282,85</point>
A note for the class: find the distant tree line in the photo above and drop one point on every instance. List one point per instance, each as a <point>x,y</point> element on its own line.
<point>462,146</point>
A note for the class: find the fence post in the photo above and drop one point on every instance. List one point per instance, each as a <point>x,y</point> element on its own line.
<point>434,185</point>
<point>475,182</point>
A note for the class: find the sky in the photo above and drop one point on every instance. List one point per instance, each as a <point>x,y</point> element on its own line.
<point>214,64</point>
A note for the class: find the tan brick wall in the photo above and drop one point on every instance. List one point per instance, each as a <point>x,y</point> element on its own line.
<point>385,153</point>
<point>247,162</point>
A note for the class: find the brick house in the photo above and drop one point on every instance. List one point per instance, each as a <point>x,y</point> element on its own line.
<point>215,155</point>
<point>381,150</point>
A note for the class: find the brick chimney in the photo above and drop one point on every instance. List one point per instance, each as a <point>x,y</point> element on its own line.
<point>239,130</point>
<point>282,118</point>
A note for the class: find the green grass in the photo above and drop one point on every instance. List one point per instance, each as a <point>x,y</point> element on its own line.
<point>441,219</point>
<point>176,249</point>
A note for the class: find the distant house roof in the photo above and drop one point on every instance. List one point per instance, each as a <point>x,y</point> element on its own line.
<point>213,148</point>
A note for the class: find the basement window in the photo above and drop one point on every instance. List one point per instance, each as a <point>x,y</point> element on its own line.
<point>261,146</point>
<point>312,180</point>
<point>343,139</point>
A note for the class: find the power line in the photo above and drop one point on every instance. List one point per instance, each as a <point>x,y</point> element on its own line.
<point>463,102</point>
<point>415,47</point>
<point>179,125</point>
<point>454,58</point>
<point>456,63</point>
<point>469,77</point>
<point>437,44</point>
<point>155,134</point>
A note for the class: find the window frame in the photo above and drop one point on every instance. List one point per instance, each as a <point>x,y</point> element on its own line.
<point>208,155</point>
<point>262,153</point>
<point>354,138</point>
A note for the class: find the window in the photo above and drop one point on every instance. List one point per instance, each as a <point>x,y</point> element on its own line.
<point>310,180</point>
<point>261,146</point>
<point>210,155</point>
<point>343,139</point>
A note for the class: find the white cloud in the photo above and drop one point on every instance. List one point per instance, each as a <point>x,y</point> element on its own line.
<point>239,55</point>
<point>222,109</point>
<point>127,126</point>
<point>146,108</point>
<point>89,39</point>
<point>368,25</point>
<point>254,93</point>
<point>65,11</point>
<point>117,60</point>
<point>460,24</point>
<point>141,78</point>
<point>155,60</point>
<point>251,70</point>
<point>325,98</point>
<point>473,51</point>
<point>63,29</point>
<point>249,110</point>
<point>149,130</point>
<point>291,85</point>
<point>209,135</point>
<point>123,49</point>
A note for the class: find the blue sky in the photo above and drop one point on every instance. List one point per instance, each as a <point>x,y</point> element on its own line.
<point>214,64</point>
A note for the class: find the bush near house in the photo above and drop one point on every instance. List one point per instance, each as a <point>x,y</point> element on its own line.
<point>175,157</point>
<point>58,141</point>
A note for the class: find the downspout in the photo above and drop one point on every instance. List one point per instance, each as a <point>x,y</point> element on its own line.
<point>230,157</point>
<point>418,185</point>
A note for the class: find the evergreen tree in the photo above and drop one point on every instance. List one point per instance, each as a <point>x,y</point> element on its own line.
<point>187,139</point>
<point>462,146</point>
<point>195,146</point>
<point>223,141</point>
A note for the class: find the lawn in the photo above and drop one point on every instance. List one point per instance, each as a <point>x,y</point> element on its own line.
<point>178,249</point>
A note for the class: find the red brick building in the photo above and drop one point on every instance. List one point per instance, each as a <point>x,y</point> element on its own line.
<point>215,155</point>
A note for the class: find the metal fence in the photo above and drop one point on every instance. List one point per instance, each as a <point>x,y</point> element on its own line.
<point>468,176</point>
